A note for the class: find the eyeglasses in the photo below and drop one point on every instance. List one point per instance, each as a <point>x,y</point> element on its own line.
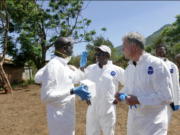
<point>100,54</point>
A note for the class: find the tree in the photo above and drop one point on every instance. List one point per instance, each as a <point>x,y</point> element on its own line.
<point>177,61</point>
<point>97,42</point>
<point>156,41</point>
<point>172,34</point>
<point>91,59</point>
<point>75,61</point>
<point>4,28</point>
<point>177,47</point>
<point>121,61</point>
<point>148,49</point>
<point>172,38</point>
<point>42,27</point>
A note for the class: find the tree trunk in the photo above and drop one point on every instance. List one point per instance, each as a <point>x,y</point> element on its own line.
<point>5,82</point>
<point>29,73</point>
<point>36,61</point>
<point>43,62</point>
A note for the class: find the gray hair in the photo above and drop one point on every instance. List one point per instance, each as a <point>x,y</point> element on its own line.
<point>135,37</point>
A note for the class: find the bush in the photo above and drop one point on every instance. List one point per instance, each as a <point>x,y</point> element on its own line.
<point>24,83</point>
<point>32,80</point>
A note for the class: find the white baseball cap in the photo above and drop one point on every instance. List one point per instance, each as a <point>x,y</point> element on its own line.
<point>103,48</point>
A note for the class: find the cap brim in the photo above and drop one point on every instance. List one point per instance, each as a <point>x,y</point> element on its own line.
<point>97,47</point>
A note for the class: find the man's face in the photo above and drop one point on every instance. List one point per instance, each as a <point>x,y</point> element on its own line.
<point>69,50</point>
<point>161,52</point>
<point>127,49</point>
<point>101,57</point>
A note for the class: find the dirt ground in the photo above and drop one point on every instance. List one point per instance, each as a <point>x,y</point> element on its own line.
<point>22,113</point>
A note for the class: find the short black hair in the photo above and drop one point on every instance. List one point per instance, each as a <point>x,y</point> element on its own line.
<point>63,41</point>
<point>59,44</point>
<point>162,45</point>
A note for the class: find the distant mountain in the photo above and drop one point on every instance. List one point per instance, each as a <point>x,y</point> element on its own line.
<point>148,39</point>
<point>156,34</point>
<point>119,50</point>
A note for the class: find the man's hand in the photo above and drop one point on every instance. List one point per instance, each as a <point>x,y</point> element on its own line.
<point>117,97</point>
<point>88,102</point>
<point>115,102</point>
<point>131,100</point>
<point>82,92</point>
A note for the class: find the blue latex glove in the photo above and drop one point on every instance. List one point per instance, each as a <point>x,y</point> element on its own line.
<point>123,96</point>
<point>83,60</point>
<point>134,106</point>
<point>82,92</point>
<point>176,107</point>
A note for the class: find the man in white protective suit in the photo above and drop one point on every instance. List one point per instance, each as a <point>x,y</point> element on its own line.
<point>101,113</point>
<point>39,75</point>
<point>161,52</point>
<point>148,86</point>
<point>58,90</point>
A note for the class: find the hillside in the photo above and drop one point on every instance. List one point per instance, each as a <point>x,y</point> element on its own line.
<point>119,50</point>
<point>148,39</point>
<point>156,34</point>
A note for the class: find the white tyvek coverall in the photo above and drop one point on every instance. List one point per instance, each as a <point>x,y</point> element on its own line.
<point>76,78</point>
<point>55,93</point>
<point>150,81</point>
<point>38,76</point>
<point>176,90</point>
<point>101,114</point>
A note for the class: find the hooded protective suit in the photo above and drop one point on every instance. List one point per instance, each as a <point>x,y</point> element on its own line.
<point>176,90</point>
<point>101,114</point>
<point>39,75</point>
<point>76,75</point>
<point>55,93</point>
<point>150,81</point>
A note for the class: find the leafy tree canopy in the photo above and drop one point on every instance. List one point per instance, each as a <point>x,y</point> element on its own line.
<point>38,28</point>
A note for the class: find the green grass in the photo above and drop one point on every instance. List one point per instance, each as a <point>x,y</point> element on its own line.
<point>24,83</point>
